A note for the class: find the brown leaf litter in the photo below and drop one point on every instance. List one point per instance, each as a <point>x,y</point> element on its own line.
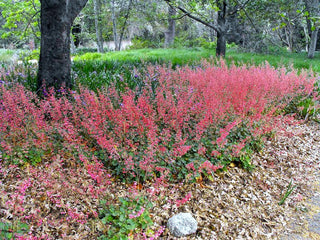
<point>236,204</point>
<point>244,205</point>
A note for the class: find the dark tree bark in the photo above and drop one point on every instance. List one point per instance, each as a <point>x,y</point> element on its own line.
<point>57,17</point>
<point>221,44</point>
<point>170,33</point>
<point>221,34</point>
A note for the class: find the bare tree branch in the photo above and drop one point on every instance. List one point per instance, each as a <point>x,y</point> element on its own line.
<point>239,8</point>
<point>193,17</point>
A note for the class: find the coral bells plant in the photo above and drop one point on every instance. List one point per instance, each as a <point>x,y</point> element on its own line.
<point>178,123</point>
<point>179,117</point>
<point>53,198</point>
<point>190,115</point>
<point>127,218</point>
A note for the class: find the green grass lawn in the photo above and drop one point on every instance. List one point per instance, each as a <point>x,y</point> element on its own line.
<point>183,56</point>
<point>175,56</point>
<point>297,60</point>
<point>189,56</point>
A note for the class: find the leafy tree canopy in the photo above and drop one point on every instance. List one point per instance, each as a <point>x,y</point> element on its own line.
<point>22,19</point>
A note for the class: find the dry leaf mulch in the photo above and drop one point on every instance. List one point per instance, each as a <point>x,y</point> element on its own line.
<point>244,205</point>
<point>236,204</point>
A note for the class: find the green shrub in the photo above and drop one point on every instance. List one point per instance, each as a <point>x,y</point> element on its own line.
<point>273,49</point>
<point>139,43</point>
<point>98,74</point>
<point>84,50</point>
<point>6,55</point>
<point>11,231</point>
<point>25,74</point>
<point>89,56</point>
<point>201,42</point>
<point>304,107</point>
<point>20,156</point>
<point>29,55</point>
<point>131,215</point>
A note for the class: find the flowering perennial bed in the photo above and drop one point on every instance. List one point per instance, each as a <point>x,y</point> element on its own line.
<point>69,154</point>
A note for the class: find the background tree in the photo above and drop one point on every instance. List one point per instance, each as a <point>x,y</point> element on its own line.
<point>225,9</point>
<point>93,21</point>
<point>313,14</point>
<point>254,25</point>
<point>120,13</point>
<point>274,24</point>
<point>114,25</point>
<point>170,33</point>
<point>151,23</point>
<point>289,29</point>
<point>98,26</point>
<point>21,21</point>
<point>57,17</point>
<point>125,22</point>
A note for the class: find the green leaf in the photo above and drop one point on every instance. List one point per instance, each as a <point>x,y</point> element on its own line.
<point>4,226</point>
<point>122,218</point>
<point>104,220</point>
<point>24,226</point>
<point>110,218</point>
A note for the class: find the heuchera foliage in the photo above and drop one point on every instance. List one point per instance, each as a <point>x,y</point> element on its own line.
<point>182,120</point>
<point>181,123</point>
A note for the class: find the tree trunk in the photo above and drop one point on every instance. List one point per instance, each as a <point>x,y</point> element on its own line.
<point>313,8</point>
<point>221,27</point>
<point>221,33</point>
<point>170,33</point>
<point>313,43</point>
<point>221,44</point>
<point>288,31</point>
<point>57,17</point>
<point>126,17</point>
<point>114,25</point>
<point>307,37</point>
<point>97,11</point>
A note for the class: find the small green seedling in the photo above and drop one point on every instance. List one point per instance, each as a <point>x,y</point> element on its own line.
<point>287,193</point>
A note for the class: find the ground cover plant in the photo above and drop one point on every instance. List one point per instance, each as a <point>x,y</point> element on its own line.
<point>177,125</point>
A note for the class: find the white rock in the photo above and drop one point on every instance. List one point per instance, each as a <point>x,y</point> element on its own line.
<point>182,224</point>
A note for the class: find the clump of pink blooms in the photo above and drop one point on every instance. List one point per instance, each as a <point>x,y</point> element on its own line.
<point>136,215</point>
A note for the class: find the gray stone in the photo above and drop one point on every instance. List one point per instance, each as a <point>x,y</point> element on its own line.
<point>182,224</point>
